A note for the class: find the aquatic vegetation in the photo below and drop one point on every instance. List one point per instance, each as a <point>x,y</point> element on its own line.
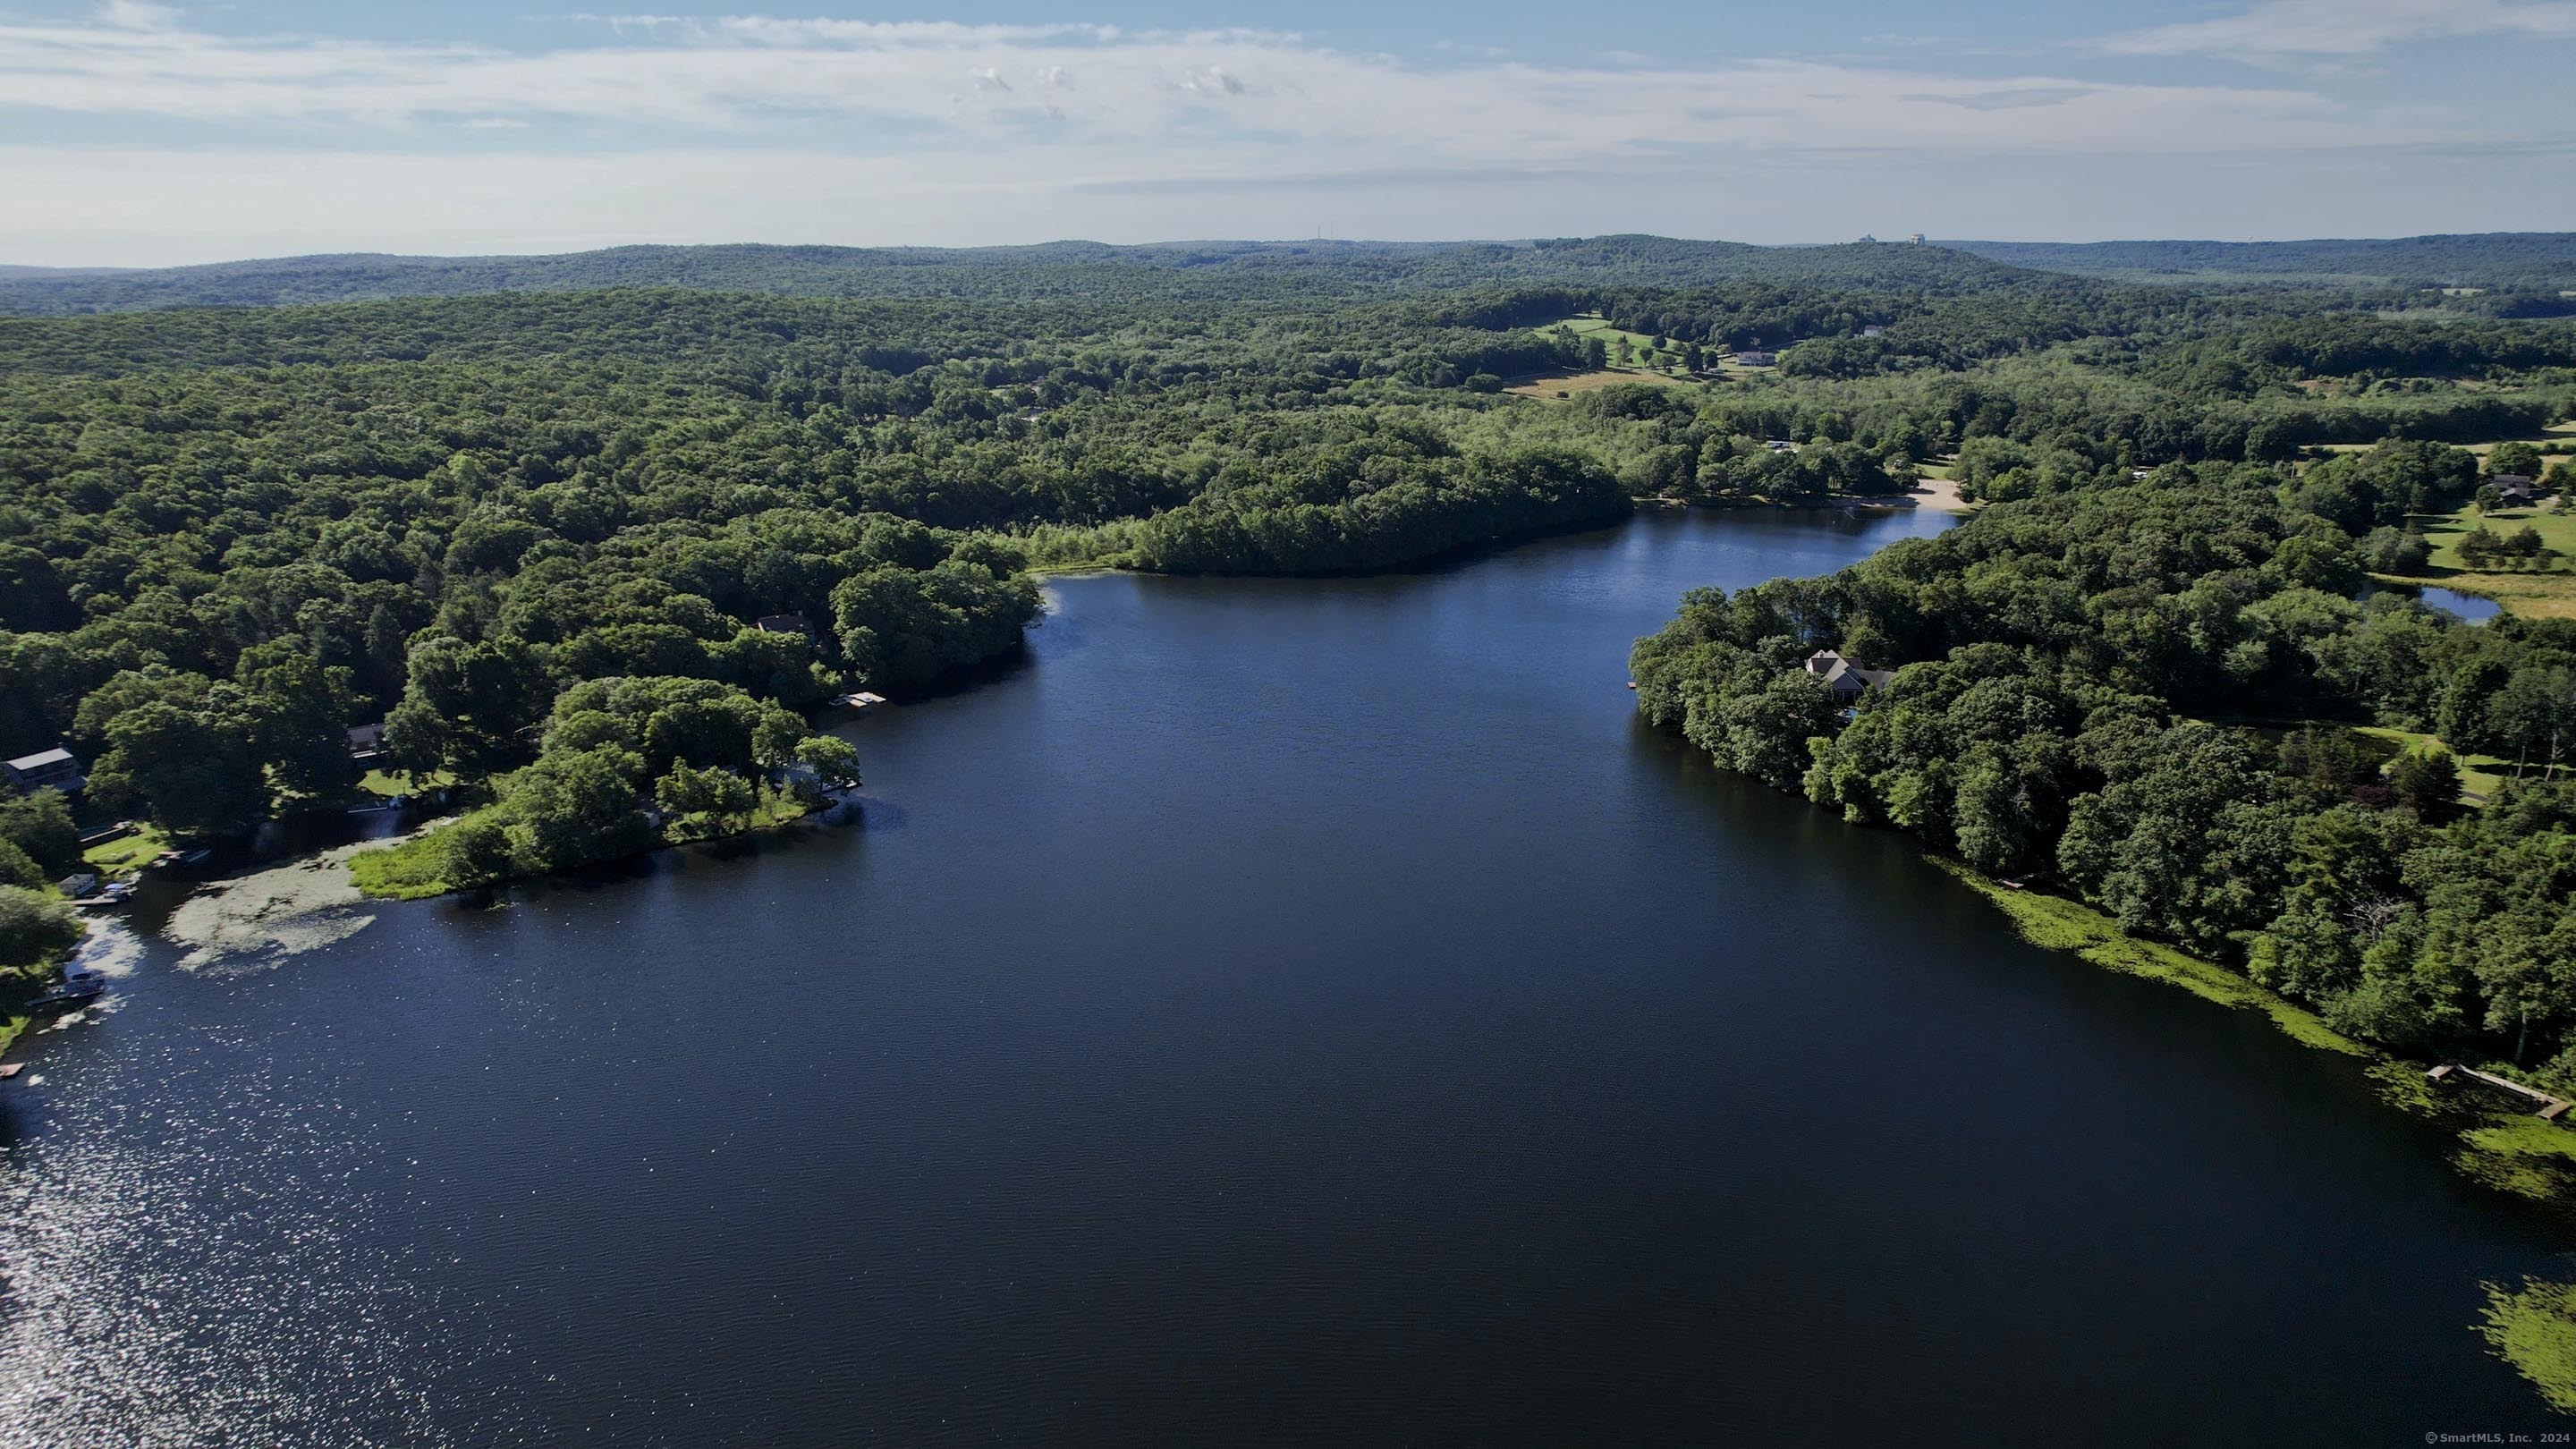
<point>2534,1329</point>
<point>2063,925</point>
<point>2522,1155</point>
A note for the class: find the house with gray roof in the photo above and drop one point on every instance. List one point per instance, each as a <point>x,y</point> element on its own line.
<point>1847,678</point>
<point>46,769</point>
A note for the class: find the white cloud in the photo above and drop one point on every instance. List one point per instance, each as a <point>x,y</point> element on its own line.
<point>2276,29</point>
<point>977,85</point>
<point>662,128</point>
<point>137,15</point>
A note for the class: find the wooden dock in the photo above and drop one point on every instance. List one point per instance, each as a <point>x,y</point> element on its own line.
<point>2551,1108</point>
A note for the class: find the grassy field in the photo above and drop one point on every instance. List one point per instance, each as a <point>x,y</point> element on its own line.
<point>2563,434</point>
<point>2545,592</point>
<point>2479,774</point>
<point>1594,327</point>
<point>2556,526</point>
<point>2531,595</point>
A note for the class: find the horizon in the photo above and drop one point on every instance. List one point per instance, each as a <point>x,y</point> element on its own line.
<point>149,135</point>
<point>11,265</point>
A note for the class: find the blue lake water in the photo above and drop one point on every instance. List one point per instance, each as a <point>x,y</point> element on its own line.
<point>1276,1012</point>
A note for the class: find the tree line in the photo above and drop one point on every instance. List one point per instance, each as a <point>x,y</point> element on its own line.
<point>2147,695</point>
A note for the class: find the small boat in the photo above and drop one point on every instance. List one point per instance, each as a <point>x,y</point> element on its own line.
<point>73,992</point>
<point>180,860</point>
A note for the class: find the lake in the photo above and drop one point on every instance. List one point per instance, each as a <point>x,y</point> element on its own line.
<point>1274,1012</point>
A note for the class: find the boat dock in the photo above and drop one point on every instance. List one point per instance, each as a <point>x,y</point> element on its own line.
<point>2551,1108</point>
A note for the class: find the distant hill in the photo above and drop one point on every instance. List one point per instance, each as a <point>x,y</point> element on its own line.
<point>2542,262</point>
<point>1055,271</point>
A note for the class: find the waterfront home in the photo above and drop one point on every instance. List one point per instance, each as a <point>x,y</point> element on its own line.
<point>1846,678</point>
<point>53,769</point>
<point>366,741</point>
<point>784,624</point>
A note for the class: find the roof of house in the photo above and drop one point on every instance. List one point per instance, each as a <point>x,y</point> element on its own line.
<point>782,623</point>
<point>1834,669</point>
<point>42,758</point>
<point>2511,480</point>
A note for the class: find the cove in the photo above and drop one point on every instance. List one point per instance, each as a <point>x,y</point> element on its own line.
<point>1275,1011</point>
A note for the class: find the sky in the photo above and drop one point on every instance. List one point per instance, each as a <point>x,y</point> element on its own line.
<point>140,134</point>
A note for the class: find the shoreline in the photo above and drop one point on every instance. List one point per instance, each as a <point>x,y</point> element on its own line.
<point>1937,495</point>
<point>2503,1147</point>
<point>384,884</point>
<point>2530,1325</point>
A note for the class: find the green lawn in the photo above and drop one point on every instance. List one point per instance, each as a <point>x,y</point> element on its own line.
<point>389,785</point>
<point>1591,326</point>
<point>125,857</point>
<point>2547,591</point>
<point>2479,774</point>
<point>2557,529</point>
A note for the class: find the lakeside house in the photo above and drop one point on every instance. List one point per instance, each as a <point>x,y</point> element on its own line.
<point>53,769</point>
<point>366,741</point>
<point>784,624</point>
<point>1848,679</point>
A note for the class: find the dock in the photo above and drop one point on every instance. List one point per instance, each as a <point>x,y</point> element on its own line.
<point>2551,1108</point>
<point>860,703</point>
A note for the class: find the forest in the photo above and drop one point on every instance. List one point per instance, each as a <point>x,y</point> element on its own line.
<point>2527,264</point>
<point>594,536</point>
<point>2172,698</point>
